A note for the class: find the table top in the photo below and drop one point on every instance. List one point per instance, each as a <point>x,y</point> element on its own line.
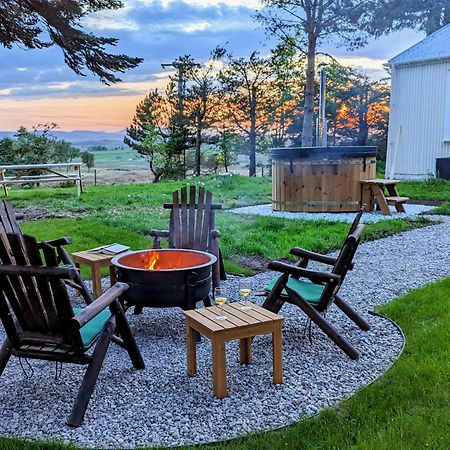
<point>236,317</point>
<point>380,181</point>
<point>86,257</point>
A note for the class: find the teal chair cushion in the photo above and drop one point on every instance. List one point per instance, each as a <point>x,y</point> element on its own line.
<point>94,327</point>
<point>309,291</point>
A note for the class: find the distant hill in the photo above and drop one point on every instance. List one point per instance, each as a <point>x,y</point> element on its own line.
<point>84,138</point>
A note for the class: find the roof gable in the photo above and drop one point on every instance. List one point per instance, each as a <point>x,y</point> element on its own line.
<point>433,47</point>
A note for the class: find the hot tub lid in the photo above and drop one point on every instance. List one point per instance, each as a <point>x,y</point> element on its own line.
<point>323,152</point>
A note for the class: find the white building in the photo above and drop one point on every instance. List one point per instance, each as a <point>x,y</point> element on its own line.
<point>419,121</point>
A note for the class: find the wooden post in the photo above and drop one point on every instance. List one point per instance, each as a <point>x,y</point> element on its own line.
<point>2,178</point>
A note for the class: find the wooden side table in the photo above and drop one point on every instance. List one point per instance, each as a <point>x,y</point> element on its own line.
<point>373,191</point>
<point>242,325</point>
<point>96,261</point>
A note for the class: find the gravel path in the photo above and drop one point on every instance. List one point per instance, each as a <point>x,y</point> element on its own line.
<point>412,211</point>
<point>162,405</point>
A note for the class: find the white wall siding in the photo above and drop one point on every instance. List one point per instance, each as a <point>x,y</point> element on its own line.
<point>417,106</point>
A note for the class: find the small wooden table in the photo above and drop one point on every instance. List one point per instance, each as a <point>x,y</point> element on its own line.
<point>96,261</point>
<point>373,192</point>
<point>242,325</point>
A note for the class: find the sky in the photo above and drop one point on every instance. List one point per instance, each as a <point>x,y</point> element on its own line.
<point>37,87</point>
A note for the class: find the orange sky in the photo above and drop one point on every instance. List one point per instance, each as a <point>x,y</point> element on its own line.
<point>81,113</point>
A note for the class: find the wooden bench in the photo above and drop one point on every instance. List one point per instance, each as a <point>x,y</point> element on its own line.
<point>40,173</point>
<point>242,325</point>
<point>383,193</point>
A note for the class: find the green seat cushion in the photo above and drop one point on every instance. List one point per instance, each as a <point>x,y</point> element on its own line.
<point>94,327</point>
<point>309,291</point>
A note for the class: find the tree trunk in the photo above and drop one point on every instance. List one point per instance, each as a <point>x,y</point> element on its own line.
<point>308,111</point>
<point>198,145</point>
<point>252,135</point>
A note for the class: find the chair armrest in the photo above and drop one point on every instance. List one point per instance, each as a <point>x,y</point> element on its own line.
<point>215,234</point>
<point>97,306</point>
<point>37,271</point>
<point>302,253</point>
<point>60,241</point>
<point>312,275</point>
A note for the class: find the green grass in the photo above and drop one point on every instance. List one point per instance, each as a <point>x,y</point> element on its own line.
<point>407,408</point>
<point>247,241</point>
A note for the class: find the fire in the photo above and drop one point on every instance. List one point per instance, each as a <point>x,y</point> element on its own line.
<point>151,260</point>
<point>155,260</point>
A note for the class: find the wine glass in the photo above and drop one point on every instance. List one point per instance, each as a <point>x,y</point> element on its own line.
<point>220,297</point>
<point>245,288</point>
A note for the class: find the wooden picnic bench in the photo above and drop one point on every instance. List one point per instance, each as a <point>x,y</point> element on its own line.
<point>40,173</point>
<point>383,193</point>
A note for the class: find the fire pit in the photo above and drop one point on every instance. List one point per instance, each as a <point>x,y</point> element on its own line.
<point>165,277</point>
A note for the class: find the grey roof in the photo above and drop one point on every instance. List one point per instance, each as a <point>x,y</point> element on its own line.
<point>433,47</point>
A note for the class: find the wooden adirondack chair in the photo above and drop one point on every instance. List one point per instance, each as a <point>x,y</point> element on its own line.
<point>316,295</point>
<point>40,322</point>
<point>9,224</point>
<point>192,225</point>
<point>307,256</point>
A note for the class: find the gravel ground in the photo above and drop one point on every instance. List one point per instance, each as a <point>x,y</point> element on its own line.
<point>163,406</point>
<point>412,211</point>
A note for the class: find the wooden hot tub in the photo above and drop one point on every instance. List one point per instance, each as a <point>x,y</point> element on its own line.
<point>316,179</point>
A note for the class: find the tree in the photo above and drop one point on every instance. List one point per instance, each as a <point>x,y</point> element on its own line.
<point>156,134</point>
<point>246,90</point>
<point>306,24</point>
<point>64,152</point>
<point>37,24</point>
<point>201,102</point>
<point>386,16</point>
<point>357,107</point>
<point>88,159</point>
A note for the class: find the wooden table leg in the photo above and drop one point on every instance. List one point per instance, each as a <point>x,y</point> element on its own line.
<point>219,367</point>
<point>245,350</point>
<point>112,275</point>
<point>96,280</point>
<point>191,350</point>
<point>277,346</point>
<point>381,199</point>
<point>392,190</point>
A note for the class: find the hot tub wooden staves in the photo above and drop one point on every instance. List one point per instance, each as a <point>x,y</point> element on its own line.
<point>320,179</point>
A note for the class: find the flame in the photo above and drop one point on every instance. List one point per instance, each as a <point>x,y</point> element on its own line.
<point>151,260</point>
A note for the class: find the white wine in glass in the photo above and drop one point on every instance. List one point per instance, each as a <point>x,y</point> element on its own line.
<point>245,289</point>
<point>220,297</point>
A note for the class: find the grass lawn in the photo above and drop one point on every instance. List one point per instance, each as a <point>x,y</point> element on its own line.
<point>433,189</point>
<point>125,214</point>
<point>407,408</point>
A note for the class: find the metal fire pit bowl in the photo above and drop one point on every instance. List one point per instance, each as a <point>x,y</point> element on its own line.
<point>182,278</point>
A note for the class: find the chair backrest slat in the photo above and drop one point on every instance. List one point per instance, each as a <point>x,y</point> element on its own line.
<point>175,229</point>
<point>59,291</point>
<point>341,267</point>
<point>206,228</point>
<point>47,300</point>
<point>8,222</point>
<point>200,218</point>
<point>192,217</point>
<point>183,213</point>
<point>33,296</point>
<point>15,289</point>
